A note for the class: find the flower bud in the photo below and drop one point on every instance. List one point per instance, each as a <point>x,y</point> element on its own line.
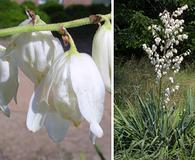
<point>102,52</point>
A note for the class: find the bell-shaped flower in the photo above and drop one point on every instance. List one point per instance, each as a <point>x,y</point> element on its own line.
<point>72,89</point>
<point>102,52</point>
<point>35,51</point>
<point>8,80</point>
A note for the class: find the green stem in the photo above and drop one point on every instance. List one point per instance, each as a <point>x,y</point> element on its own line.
<point>99,152</point>
<point>47,27</point>
<point>73,48</point>
<point>159,92</point>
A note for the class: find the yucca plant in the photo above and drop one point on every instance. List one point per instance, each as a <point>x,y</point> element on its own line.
<point>145,130</point>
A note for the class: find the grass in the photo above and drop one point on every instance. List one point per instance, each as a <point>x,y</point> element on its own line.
<point>144,131</point>
<point>133,77</point>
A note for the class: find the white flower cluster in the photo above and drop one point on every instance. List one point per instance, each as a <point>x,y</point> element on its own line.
<point>69,86</point>
<point>163,54</point>
<point>169,91</point>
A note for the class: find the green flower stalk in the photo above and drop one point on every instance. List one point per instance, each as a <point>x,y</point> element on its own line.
<point>48,27</point>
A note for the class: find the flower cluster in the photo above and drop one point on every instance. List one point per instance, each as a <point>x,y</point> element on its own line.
<point>68,86</point>
<point>163,53</point>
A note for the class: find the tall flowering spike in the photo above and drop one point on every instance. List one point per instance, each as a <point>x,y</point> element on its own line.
<point>163,53</point>
<point>72,89</point>
<point>8,80</point>
<point>35,52</point>
<point>102,52</point>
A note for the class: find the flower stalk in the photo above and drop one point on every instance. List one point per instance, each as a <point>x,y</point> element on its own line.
<point>67,38</point>
<point>48,27</point>
<point>164,52</point>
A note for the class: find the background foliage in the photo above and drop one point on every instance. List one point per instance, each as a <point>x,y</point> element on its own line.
<point>133,17</point>
<point>13,14</point>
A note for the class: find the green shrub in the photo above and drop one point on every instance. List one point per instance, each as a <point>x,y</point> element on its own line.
<point>145,131</point>
<point>11,14</point>
<point>58,13</point>
<point>53,10</point>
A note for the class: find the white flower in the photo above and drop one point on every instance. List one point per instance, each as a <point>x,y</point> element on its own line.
<point>8,80</point>
<point>35,52</point>
<point>102,52</point>
<point>167,90</point>
<point>177,87</point>
<point>185,36</point>
<point>174,50</point>
<point>171,79</point>
<point>154,48</point>
<point>157,40</point>
<point>144,46</point>
<point>184,7</point>
<point>72,88</point>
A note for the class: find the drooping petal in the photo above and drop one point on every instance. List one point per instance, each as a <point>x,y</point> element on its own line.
<point>5,110</point>
<point>89,89</point>
<point>8,81</point>
<point>58,93</point>
<point>4,66</point>
<point>57,127</point>
<point>102,52</point>
<point>36,113</point>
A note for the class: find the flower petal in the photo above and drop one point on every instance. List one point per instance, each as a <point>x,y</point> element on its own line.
<point>89,89</point>
<point>57,127</point>
<point>35,52</point>
<point>36,114</point>
<point>4,66</point>
<point>8,87</point>
<point>58,93</point>
<point>102,53</point>
<point>5,110</point>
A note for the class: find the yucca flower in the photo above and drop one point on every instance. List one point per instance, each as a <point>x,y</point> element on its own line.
<point>35,52</point>
<point>72,89</point>
<point>102,52</point>
<point>8,80</point>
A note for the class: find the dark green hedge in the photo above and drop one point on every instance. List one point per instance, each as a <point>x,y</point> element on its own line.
<point>12,13</point>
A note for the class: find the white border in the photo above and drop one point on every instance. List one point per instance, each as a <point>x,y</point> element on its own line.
<point>112,89</point>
